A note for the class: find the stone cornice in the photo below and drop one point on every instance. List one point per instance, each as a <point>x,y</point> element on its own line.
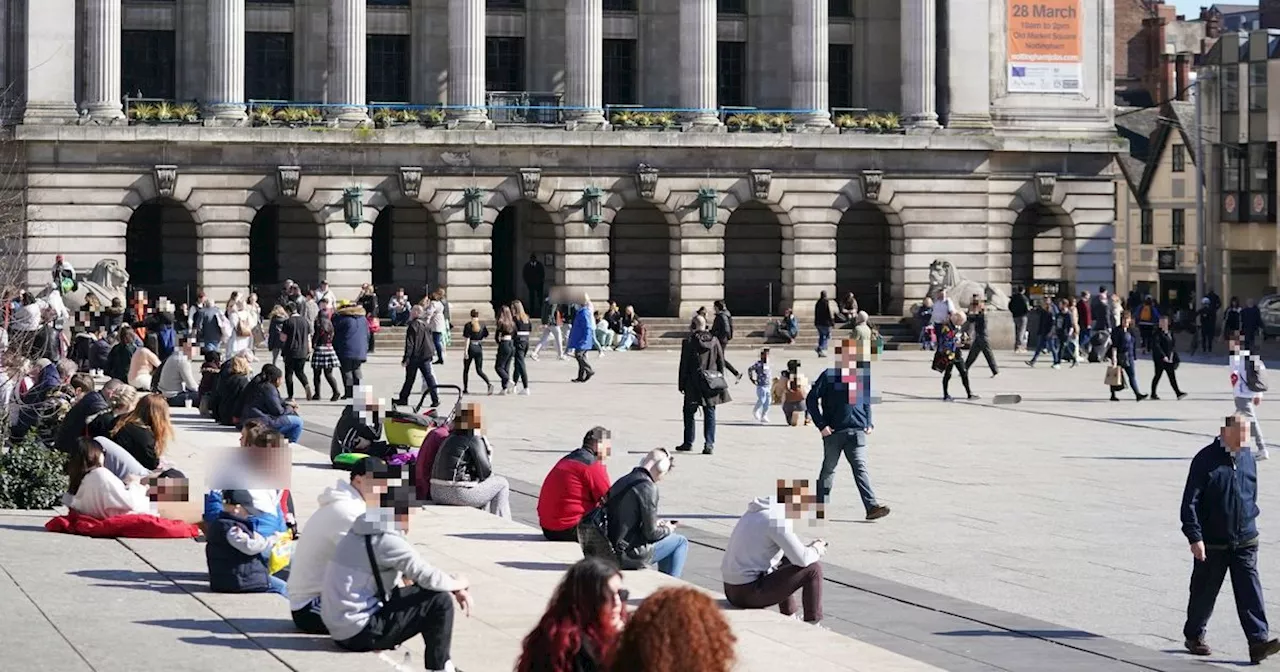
<point>942,141</point>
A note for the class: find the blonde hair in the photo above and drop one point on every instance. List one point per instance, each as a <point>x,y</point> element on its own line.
<point>240,365</point>
<point>518,308</point>
<point>124,400</point>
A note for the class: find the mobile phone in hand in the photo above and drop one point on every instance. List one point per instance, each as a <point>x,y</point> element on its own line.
<point>673,523</point>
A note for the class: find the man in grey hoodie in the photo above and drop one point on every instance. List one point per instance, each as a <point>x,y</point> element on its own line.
<point>361,603</point>
<point>765,562</point>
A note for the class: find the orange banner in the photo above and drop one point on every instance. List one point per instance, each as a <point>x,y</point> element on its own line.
<point>1044,42</point>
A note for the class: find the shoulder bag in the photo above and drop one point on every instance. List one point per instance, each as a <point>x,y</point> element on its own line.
<point>712,382</point>
<point>383,596</point>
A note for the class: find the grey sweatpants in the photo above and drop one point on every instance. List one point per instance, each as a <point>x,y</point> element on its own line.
<point>492,494</point>
<point>1245,407</point>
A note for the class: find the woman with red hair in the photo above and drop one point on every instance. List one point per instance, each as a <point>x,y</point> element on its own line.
<point>582,623</point>
<point>676,630</point>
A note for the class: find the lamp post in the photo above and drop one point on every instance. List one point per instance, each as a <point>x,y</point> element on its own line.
<point>707,207</point>
<point>473,206</point>
<point>352,206</point>
<point>1204,74</point>
<point>591,209</point>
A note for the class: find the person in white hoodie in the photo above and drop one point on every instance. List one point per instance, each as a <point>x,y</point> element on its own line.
<point>340,505</point>
<point>1247,392</point>
<point>362,603</point>
<point>96,491</point>
<point>765,563</point>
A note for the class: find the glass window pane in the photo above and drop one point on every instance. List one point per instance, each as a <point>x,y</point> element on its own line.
<point>1230,169</point>
<point>504,4</point>
<point>1147,232</point>
<point>731,63</point>
<point>619,5</point>
<point>1230,88</point>
<point>841,75</point>
<point>146,63</point>
<point>268,66</point>
<point>620,72</point>
<point>840,9</point>
<point>387,68</point>
<point>1258,172</point>
<point>731,6</point>
<point>1179,227</point>
<point>1258,86</point>
<point>504,64</point>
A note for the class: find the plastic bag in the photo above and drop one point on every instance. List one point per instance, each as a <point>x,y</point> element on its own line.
<point>281,552</point>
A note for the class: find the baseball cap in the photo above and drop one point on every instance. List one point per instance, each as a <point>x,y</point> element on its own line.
<point>375,467</point>
<point>241,497</point>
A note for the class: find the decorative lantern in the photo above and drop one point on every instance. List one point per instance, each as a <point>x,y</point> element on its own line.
<point>473,206</point>
<point>591,197</point>
<point>352,206</point>
<point>707,207</point>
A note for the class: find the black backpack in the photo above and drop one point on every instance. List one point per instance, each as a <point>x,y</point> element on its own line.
<point>593,530</point>
<point>1253,375</point>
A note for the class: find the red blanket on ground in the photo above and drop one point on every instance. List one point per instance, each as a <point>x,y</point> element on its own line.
<point>131,526</point>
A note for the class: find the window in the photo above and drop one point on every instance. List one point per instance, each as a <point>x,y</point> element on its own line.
<point>1259,172</point>
<point>1179,158</point>
<point>504,4</point>
<point>619,5</point>
<point>1230,169</point>
<point>731,6</point>
<point>388,3</point>
<point>1230,88</point>
<point>268,66</point>
<point>1146,233</point>
<point>619,72</point>
<point>1179,227</point>
<point>146,60</point>
<point>504,63</point>
<point>388,69</point>
<point>840,9</point>
<point>731,73</point>
<point>1258,86</point>
<point>840,74</point>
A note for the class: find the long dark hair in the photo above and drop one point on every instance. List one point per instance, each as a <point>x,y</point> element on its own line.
<point>271,374</point>
<point>86,456</point>
<point>576,617</point>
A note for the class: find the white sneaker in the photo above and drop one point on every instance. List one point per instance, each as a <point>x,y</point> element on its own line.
<point>764,419</point>
<point>525,391</point>
<point>1057,366</point>
<point>1263,455</point>
<point>533,356</point>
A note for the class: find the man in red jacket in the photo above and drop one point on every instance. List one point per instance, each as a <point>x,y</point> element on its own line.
<point>575,486</point>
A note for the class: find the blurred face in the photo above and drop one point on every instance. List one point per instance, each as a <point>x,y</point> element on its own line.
<point>799,503</point>
<point>1235,436</point>
<point>618,598</point>
<point>604,449</point>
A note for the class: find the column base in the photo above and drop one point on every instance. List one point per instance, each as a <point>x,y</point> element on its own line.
<point>225,114</point>
<point>47,112</point>
<point>921,124</point>
<point>588,120</point>
<point>969,122</point>
<point>471,118</point>
<point>348,115</point>
<point>814,121</point>
<point>704,122</point>
<point>106,112</point>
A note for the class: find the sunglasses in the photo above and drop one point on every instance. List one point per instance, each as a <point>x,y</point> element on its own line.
<point>624,595</point>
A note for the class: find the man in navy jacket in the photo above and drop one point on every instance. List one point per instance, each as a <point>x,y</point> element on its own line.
<point>1219,514</point>
<point>839,404</point>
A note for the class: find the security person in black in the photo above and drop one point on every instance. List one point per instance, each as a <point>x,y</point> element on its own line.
<point>1219,519</point>
<point>978,318</point>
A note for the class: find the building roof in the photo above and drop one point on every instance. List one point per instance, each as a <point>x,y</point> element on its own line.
<point>1233,8</point>
<point>1148,131</point>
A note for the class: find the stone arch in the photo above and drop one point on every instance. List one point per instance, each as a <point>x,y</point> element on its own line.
<point>404,242</point>
<point>143,191</point>
<point>162,249</point>
<point>865,257</point>
<point>1043,246</point>
<point>286,242</point>
<point>644,268</point>
<point>521,228</point>
<point>753,259</point>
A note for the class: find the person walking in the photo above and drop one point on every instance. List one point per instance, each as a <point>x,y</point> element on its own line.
<point>297,347</point>
<point>504,336</point>
<point>1247,386</point>
<point>474,334</point>
<point>1123,353</point>
<point>1207,327</point>
<point>1147,315</point>
<point>520,376</point>
<point>437,322</point>
<point>552,321</point>
<point>839,404</point>
<point>1047,335</point>
<point>419,352</point>
<point>722,329</point>
<point>978,317</point>
<point>940,316</point>
<point>368,299</point>
<point>324,359</point>
<point>1250,323</point>
<point>759,375</point>
<point>1219,520</point>
<point>702,382</point>
<point>1064,326</point>
<point>950,344</point>
<point>582,339</point>
<point>351,343</point>
<point>1018,309</point>
<point>1165,358</point>
<point>535,279</point>
<point>823,322</point>
<point>1084,322</point>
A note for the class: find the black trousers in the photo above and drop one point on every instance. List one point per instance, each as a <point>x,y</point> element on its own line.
<point>307,619</point>
<point>1161,369</point>
<point>350,375</point>
<point>1204,339</point>
<point>413,612</point>
<point>980,345</point>
<point>295,367</point>
<point>502,362</point>
<point>536,296</point>
<point>475,355</point>
<point>411,370</point>
<point>521,374</point>
<point>570,534</point>
<point>584,369</point>
<point>958,365</point>
<point>1206,581</point>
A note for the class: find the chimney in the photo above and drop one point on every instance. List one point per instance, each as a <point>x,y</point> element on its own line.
<point>1212,23</point>
<point>1182,75</point>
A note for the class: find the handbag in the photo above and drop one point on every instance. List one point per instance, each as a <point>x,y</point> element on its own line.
<point>940,361</point>
<point>713,382</point>
<point>1114,376</point>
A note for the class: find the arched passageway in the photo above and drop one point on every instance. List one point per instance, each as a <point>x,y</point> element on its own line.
<point>285,243</point>
<point>640,271</point>
<point>161,250</point>
<point>521,229</point>
<point>1042,247</point>
<point>404,251</point>
<point>864,257</point>
<point>753,260</point>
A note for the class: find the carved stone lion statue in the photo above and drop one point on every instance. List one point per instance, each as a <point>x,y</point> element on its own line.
<point>108,280</point>
<point>942,275</point>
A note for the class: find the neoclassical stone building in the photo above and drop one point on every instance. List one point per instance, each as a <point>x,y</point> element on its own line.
<point>1009,185</point>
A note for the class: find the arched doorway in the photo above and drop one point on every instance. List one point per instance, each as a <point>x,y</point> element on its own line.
<point>521,229</point>
<point>285,243</point>
<point>753,260</point>
<point>404,250</point>
<point>640,260</point>
<point>1042,248</point>
<point>864,257</point>
<point>161,251</point>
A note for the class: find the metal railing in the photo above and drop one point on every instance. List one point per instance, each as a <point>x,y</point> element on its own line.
<point>525,108</point>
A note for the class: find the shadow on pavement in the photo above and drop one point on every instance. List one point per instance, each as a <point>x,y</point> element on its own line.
<point>499,536</point>
<point>1180,458</point>
<point>537,566</point>
<point>1040,634</point>
<point>22,528</point>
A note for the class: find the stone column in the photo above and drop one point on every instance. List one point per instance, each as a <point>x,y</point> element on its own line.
<point>50,62</point>
<point>466,62</point>
<point>102,66</point>
<point>919,64</point>
<point>224,88</point>
<point>810,69</point>
<point>347,58</point>
<point>584,62</point>
<point>698,61</point>
<point>969,67</point>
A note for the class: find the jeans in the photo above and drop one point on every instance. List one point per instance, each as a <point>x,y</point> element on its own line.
<point>277,585</point>
<point>290,426</point>
<point>502,362</point>
<point>1020,333</point>
<point>691,406</point>
<point>584,369</point>
<point>779,587</point>
<point>550,331</point>
<point>411,371</point>
<point>1130,372</point>
<point>627,339</point>
<point>1048,344</point>
<point>412,612</point>
<point>1245,407</point>
<point>437,339</point>
<point>852,443</point>
<point>398,317</point>
<point>761,408</point>
<point>212,346</point>
<point>1206,581</point>
<point>824,338</point>
<point>604,339</point>
<point>670,553</point>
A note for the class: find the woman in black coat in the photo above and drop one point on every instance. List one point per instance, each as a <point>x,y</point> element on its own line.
<point>1124,353</point>
<point>1165,358</point>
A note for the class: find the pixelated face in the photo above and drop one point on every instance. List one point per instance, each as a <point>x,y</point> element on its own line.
<point>796,498</point>
<point>469,418</point>
<point>167,489</point>
<point>1235,434</point>
<point>365,400</point>
<point>851,353</point>
<point>604,448</point>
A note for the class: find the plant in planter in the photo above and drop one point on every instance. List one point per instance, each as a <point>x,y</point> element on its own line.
<point>666,120</point>
<point>846,122</point>
<point>187,113</point>
<point>892,123</point>
<point>142,112</point>
<point>262,115</point>
<point>384,117</point>
<point>874,123</point>
<point>759,122</point>
<point>736,122</point>
<point>166,111</point>
<point>433,118</point>
<point>780,122</point>
<point>624,119</point>
<point>312,115</point>
<point>294,116</point>
<point>407,116</point>
<point>644,119</point>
